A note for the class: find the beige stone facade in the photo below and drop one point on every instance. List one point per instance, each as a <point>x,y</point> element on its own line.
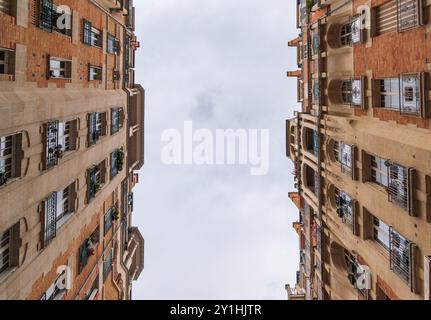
<point>361,149</point>
<point>71,129</point>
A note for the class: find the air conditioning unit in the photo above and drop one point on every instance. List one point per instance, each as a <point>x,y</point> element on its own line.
<point>363,278</point>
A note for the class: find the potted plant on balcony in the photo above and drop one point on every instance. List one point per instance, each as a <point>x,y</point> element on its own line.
<point>120,159</point>
<point>59,151</point>
<point>115,214</point>
<point>94,187</point>
<point>91,247</point>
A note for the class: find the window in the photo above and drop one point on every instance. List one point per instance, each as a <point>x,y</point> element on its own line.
<point>316,91</point>
<point>351,32</point>
<point>7,61</point>
<point>389,93</point>
<point>401,254</point>
<point>116,121</point>
<point>107,265</point>
<point>113,45</point>
<point>109,217</point>
<point>346,92</point>
<point>315,42</point>
<point>402,93</point>
<point>60,68</point>
<point>92,36</point>
<point>386,17</point>
<point>379,171</point>
<point>409,14</point>
<point>60,139</point>
<point>343,153</point>
<point>96,127</point>
<point>117,161</point>
<point>312,140</point>
<point>96,178</point>
<point>53,18</point>
<point>5,6</point>
<point>351,92</point>
<point>399,185</point>
<point>400,15</point>
<point>88,249</point>
<point>10,158</point>
<point>345,207</point>
<point>94,73</point>
<point>9,249</point>
<point>381,232</point>
<point>411,94</point>
<point>58,208</point>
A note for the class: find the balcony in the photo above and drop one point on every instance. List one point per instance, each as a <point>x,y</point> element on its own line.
<point>95,179</point>
<point>96,127</point>
<point>400,187</point>
<point>60,138</point>
<point>133,256</point>
<point>346,209</point>
<point>88,249</point>
<point>401,257</point>
<point>117,162</point>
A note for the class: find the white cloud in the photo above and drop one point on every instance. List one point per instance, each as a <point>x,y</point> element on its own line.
<point>216,232</point>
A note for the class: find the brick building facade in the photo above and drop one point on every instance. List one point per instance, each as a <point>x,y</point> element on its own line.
<point>71,133</point>
<point>361,149</point>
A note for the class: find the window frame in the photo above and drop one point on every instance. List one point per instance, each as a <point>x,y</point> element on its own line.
<point>66,68</point>
<point>8,61</point>
<point>95,73</point>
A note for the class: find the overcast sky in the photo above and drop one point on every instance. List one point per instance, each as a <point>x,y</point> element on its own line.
<point>215,232</point>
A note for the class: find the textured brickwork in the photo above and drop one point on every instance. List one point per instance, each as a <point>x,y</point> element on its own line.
<point>82,281</point>
<point>41,43</point>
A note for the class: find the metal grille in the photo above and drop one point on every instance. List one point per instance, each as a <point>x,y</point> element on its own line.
<point>87,32</point>
<point>124,198</point>
<point>400,255</point>
<point>50,218</point>
<point>117,162</point>
<point>115,120</point>
<point>345,157</point>
<point>46,14</point>
<point>398,185</point>
<point>408,14</point>
<point>5,250</point>
<point>95,127</point>
<point>94,181</point>
<point>51,142</point>
<point>410,94</point>
<point>6,159</point>
<point>345,207</point>
<point>107,225</point>
<point>386,17</point>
